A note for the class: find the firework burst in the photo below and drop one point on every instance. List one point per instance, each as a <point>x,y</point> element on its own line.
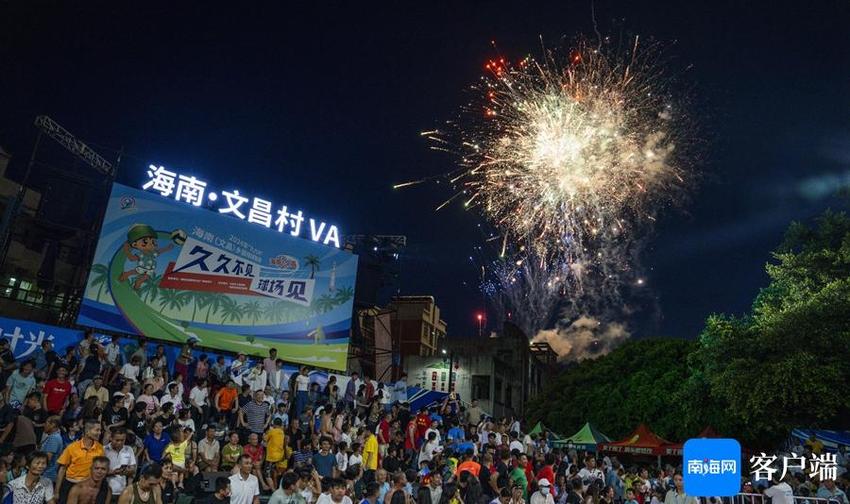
<point>570,158</point>
<point>557,154</point>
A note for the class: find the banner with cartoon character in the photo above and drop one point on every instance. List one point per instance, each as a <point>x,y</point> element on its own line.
<point>176,272</point>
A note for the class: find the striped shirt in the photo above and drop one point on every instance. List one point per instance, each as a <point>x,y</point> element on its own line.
<point>255,416</point>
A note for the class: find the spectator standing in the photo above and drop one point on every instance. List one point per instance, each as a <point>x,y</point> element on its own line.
<point>254,415</point>
<point>19,384</point>
<point>302,386</point>
<point>677,494</point>
<point>351,391</point>
<point>52,446</point>
<point>122,461</point>
<point>57,391</point>
<point>244,486</point>
<point>75,462</point>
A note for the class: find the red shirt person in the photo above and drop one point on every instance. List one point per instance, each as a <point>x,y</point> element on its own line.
<point>57,391</point>
<point>423,423</point>
<point>410,435</point>
<point>547,472</point>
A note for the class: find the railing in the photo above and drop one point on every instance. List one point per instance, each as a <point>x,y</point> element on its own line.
<point>754,498</point>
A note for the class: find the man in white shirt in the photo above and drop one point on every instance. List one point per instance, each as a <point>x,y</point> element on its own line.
<point>256,378</point>
<point>198,398</point>
<point>515,444</point>
<point>677,494</point>
<point>244,486</point>
<point>590,473</point>
<point>302,385</point>
<point>172,396</point>
<point>209,451</point>
<point>122,461</point>
<point>130,370</point>
<point>277,379</point>
<point>336,495</point>
<point>780,492</point>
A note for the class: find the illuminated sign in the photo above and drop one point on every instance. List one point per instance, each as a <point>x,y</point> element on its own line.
<point>194,191</point>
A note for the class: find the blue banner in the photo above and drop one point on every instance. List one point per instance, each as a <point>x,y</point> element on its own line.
<point>25,336</point>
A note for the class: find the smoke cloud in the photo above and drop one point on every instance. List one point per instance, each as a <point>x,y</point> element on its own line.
<point>584,338</point>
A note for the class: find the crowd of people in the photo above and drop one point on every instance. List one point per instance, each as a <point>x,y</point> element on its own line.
<point>104,424</point>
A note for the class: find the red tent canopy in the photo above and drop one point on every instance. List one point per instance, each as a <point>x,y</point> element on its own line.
<point>640,442</point>
<point>676,448</point>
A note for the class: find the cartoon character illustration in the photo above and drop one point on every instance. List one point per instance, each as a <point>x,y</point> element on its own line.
<point>142,238</point>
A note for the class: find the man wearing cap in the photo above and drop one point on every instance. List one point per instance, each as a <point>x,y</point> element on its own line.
<point>543,495</point>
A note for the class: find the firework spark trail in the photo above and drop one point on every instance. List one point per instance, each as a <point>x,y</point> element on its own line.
<point>570,161</point>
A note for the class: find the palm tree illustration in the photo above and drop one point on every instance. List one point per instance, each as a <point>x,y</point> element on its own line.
<point>270,312</point>
<point>99,277</point>
<point>343,294</point>
<point>197,299</point>
<point>172,299</point>
<point>231,310</point>
<point>213,302</point>
<point>150,289</point>
<point>252,310</point>
<point>314,263</point>
<point>324,303</point>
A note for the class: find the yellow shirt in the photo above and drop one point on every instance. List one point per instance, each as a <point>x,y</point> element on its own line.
<point>370,453</point>
<point>78,459</point>
<point>274,444</point>
<point>177,453</point>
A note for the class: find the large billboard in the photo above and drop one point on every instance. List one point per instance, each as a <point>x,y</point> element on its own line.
<point>175,272</point>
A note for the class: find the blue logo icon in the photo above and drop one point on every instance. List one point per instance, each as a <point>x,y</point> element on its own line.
<point>712,467</point>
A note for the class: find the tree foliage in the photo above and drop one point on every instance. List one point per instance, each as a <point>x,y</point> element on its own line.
<point>755,377</point>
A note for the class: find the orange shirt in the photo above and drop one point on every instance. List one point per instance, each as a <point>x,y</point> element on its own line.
<point>226,397</point>
<point>471,466</point>
<point>78,459</point>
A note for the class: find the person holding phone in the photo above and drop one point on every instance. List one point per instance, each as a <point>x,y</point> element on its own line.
<point>122,461</point>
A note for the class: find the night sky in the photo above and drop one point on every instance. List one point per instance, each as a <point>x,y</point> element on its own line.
<point>323,108</point>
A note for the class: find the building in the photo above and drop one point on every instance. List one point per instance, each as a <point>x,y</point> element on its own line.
<point>503,371</point>
<point>417,326</point>
<point>47,236</point>
<point>371,350</point>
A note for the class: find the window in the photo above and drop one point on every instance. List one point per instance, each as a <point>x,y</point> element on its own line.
<point>498,387</point>
<point>481,387</point>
